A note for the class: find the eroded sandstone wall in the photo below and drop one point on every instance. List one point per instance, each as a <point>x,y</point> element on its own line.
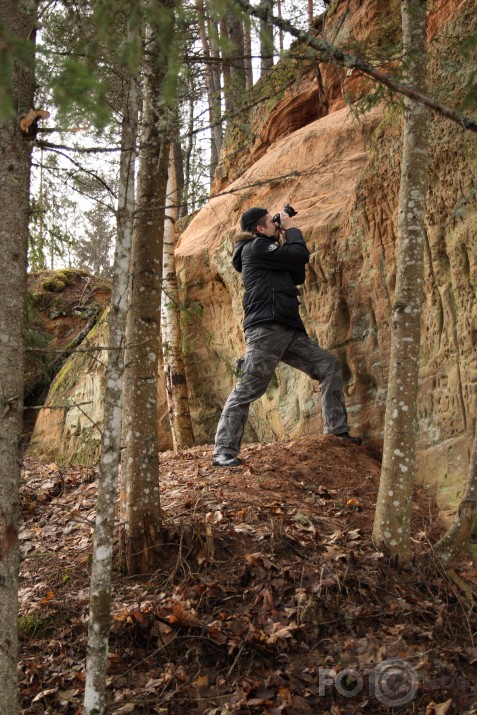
<point>70,431</point>
<point>342,175</point>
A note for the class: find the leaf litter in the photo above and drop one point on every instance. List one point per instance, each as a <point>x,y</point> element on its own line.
<point>269,598</point>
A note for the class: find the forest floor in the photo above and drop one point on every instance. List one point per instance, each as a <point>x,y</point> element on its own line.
<point>270,597</point>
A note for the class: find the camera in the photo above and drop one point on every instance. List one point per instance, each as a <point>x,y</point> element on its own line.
<point>289,210</point>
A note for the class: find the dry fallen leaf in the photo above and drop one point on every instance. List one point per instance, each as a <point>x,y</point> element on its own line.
<point>50,595</point>
<point>201,682</point>
<point>181,616</point>
<point>439,709</point>
<point>43,693</point>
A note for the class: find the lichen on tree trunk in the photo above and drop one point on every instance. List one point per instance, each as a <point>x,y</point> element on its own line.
<point>95,700</point>
<point>393,510</point>
<point>15,156</point>
<point>140,537</point>
<point>176,383</point>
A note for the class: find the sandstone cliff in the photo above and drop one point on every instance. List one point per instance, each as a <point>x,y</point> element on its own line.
<point>341,173</point>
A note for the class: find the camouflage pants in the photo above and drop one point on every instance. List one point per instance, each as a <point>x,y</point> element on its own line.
<point>266,345</point>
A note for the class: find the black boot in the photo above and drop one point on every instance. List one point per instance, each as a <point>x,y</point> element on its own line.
<point>226,460</point>
<point>349,438</point>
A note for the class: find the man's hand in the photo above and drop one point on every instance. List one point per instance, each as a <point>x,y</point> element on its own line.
<point>286,221</point>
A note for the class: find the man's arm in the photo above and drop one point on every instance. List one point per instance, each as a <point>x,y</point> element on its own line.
<point>291,256</point>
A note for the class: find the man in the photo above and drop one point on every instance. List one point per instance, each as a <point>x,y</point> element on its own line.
<point>274,331</point>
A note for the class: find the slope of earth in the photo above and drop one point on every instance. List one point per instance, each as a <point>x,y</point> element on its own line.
<point>268,580</point>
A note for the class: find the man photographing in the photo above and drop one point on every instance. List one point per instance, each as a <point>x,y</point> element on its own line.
<point>274,330</point>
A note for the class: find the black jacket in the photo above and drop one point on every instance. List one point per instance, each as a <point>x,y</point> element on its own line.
<point>270,273</point>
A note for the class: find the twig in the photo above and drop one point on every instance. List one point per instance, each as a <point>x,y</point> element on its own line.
<point>88,350</point>
<point>235,660</point>
<point>91,420</point>
<point>56,407</point>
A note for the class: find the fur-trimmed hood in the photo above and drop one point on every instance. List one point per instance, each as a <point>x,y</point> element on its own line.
<point>240,239</point>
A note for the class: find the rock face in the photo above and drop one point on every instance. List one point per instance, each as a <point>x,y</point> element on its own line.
<point>302,145</point>
<point>73,434</point>
<point>70,431</point>
<point>61,306</point>
<point>342,176</point>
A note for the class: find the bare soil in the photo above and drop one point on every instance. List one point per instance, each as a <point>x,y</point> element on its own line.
<point>268,589</point>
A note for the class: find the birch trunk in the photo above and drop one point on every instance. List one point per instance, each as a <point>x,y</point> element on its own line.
<point>176,384</point>
<point>95,700</point>
<point>179,164</point>
<point>15,157</point>
<point>140,536</point>
<point>213,35</point>
<point>393,511</point>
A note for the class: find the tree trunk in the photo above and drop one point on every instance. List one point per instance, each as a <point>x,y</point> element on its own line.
<point>393,511</point>
<point>234,63</point>
<point>95,701</point>
<point>179,164</point>
<point>15,157</point>
<point>247,47</point>
<point>266,39</point>
<point>310,13</point>
<point>176,384</point>
<point>140,464</point>
<point>187,195</point>
<point>280,31</point>
<point>213,35</point>
<point>213,91</point>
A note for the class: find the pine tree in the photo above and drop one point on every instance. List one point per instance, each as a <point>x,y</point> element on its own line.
<point>17,24</point>
<point>93,252</point>
<point>140,470</point>
<point>266,38</point>
<point>212,80</point>
<point>233,61</point>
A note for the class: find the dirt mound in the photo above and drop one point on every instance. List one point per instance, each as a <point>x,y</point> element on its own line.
<point>270,597</point>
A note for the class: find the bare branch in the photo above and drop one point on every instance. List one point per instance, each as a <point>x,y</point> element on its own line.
<point>330,53</point>
<point>86,171</point>
<point>56,407</point>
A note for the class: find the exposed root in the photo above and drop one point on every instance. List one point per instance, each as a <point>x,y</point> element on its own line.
<point>468,593</point>
<point>472,551</point>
